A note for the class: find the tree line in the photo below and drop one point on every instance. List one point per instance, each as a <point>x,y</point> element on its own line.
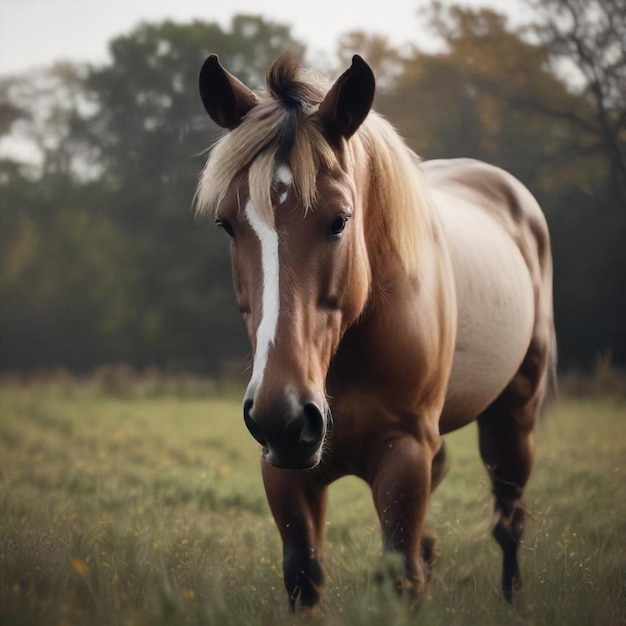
<point>101,259</point>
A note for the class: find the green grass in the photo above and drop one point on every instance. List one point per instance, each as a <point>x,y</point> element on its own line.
<point>146,507</point>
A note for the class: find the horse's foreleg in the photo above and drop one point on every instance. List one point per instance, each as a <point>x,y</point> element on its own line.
<point>298,503</point>
<point>430,540</point>
<point>400,479</point>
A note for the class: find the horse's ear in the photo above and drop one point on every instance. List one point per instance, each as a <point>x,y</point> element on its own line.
<point>349,100</point>
<point>225,98</point>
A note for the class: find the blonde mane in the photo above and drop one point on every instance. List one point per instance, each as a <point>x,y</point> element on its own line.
<point>397,192</point>
<point>281,129</point>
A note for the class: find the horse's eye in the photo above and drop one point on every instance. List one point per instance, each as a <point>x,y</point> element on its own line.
<point>337,226</point>
<point>225,225</point>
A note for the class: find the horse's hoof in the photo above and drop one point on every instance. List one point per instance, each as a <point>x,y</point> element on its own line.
<point>390,567</point>
<point>431,551</point>
<point>412,587</point>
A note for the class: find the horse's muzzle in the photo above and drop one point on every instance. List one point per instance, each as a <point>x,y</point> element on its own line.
<point>292,433</point>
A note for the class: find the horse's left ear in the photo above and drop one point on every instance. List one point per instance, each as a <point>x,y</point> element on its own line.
<point>349,100</point>
<point>225,98</point>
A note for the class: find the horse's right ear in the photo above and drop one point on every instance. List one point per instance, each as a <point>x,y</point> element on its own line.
<point>225,98</point>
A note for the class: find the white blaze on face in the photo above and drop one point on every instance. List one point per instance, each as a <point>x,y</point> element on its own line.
<point>284,175</point>
<point>271,298</point>
<point>268,238</point>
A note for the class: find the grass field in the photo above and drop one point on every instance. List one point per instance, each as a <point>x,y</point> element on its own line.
<point>144,505</point>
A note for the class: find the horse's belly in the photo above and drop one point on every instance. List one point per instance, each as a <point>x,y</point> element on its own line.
<point>496,310</point>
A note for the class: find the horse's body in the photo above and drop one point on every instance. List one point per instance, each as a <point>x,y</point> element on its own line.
<point>497,237</point>
<point>404,299</point>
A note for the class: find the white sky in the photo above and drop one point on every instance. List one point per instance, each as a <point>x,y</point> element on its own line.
<point>39,32</point>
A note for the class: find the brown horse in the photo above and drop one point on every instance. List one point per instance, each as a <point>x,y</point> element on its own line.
<point>404,299</point>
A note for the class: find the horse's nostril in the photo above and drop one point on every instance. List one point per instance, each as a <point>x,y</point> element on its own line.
<point>253,427</point>
<point>313,429</point>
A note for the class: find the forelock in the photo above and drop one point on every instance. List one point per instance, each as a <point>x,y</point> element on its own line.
<point>280,130</point>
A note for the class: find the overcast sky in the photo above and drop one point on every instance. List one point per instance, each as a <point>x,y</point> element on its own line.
<point>38,32</point>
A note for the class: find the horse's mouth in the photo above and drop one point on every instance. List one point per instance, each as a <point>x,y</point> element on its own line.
<point>303,460</point>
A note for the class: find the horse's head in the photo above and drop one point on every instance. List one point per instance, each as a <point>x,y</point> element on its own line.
<point>285,186</point>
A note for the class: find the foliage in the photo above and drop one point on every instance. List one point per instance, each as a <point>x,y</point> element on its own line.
<point>589,38</point>
<point>150,510</point>
<point>481,97</point>
<point>385,60</point>
<point>116,268</point>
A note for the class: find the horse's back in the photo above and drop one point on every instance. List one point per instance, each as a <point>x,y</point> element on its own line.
<point>499,245</point>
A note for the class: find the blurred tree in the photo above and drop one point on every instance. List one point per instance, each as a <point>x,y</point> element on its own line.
<point>483,97</point>
<point>385,59</point>
<point>584,42</point>
<point>149,125</point>
<point>587,40</point>
<point>46,280</point>
<point>40,109</point>
<point>102,259</point>
<point>66,291</point>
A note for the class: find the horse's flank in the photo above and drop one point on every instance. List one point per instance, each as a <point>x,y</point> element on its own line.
<point>498,241</point>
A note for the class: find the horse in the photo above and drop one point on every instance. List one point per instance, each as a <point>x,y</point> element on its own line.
<point>388,301</point>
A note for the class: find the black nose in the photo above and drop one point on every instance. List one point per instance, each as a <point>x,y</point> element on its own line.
<point>291,433</point>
